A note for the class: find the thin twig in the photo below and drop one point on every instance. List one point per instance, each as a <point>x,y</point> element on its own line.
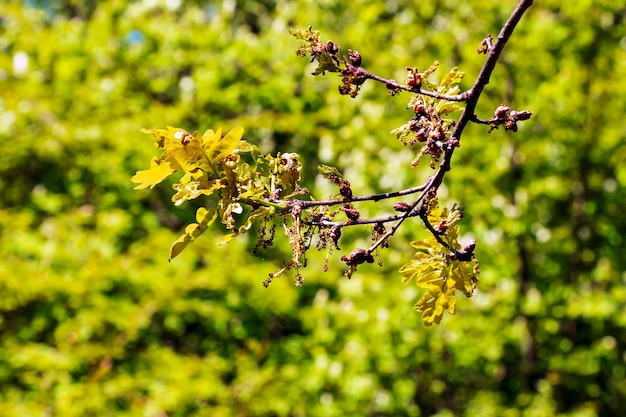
<point>392,84</point>
<point>373,197</point>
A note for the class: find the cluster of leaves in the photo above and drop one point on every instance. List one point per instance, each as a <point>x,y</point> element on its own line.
<point>244,188</point>
<point>331,58</point>
<point>429,128</point>
<point>441,265</point>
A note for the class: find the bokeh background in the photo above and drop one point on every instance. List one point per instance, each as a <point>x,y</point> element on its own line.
<point>95,322</point>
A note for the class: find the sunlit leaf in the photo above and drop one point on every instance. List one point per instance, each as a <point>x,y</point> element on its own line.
<point>329,172</point>
<point>431,279</point>
<point>421,245</point>
<point>468,279</point>
<point>159,170</point>
<point>434,303</point>
<point>218,148</point>
<point>435,269</point>
<point>451,79</point>
<point>188,157</point>
<point>195,189</point>
<point>448,106</point>
<point>307,34</point>
<point>204,218</point>
<point>244,146</point>
<point>166,139</point>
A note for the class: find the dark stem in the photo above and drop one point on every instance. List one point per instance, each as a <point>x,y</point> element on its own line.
<point>432,230</point>
<point>373,197</point>
<point>392,84</point>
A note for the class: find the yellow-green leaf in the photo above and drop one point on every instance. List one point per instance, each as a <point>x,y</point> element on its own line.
<point>451,78</point>
<point>159,170</point>
<point>329,172</point>
<point>421,245</point>
<point>256,215</point>
<point>204,218</point>
<point>194,189</point>
<point>166,137</point>
<point>219,148</point>
<point>466,277</point>
<point>430,279</point>
<point>225,239</point>
<point>434,303</point>
<point>188,157</point>
<point>432,310</point>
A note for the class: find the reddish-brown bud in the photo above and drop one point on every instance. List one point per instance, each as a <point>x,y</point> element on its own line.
<point>441,227</point>
<point>501,112</point>
<point>511,125</point>
<point>331,48</point>
<point>467,253</point>
<point>352,214</point>
<point>414,125</point>
<point>520,115</point>
<point>422,135</point>
<point>401,206</point>
<point>335,234</point>
<point>355,57</point>
<point>357,257</point>
<point>413,77</point>
<point>344,189</point>
<point>419,109</point>
<point>296,209</point>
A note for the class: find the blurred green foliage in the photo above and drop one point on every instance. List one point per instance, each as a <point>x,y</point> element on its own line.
<point>95,322</point>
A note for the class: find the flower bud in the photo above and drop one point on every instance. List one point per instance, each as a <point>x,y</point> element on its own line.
<point>501,112</point>
<point>401,206</point>
<point>355,57</point>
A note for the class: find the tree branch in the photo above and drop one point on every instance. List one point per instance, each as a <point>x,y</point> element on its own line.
<point>435,181</point>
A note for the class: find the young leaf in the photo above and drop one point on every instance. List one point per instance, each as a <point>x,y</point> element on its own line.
<point>434,303</point>
<point>187,156</point>
<point>195,189</point>
<point>452,78</point>
<point>159,170</point>
<point>330,173</point>
<point>306,35</point>
<point>256,215</point>
<point>218,148</point>
<point>325,63</point>
<point>204,218</point>
<point>436,269</point>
